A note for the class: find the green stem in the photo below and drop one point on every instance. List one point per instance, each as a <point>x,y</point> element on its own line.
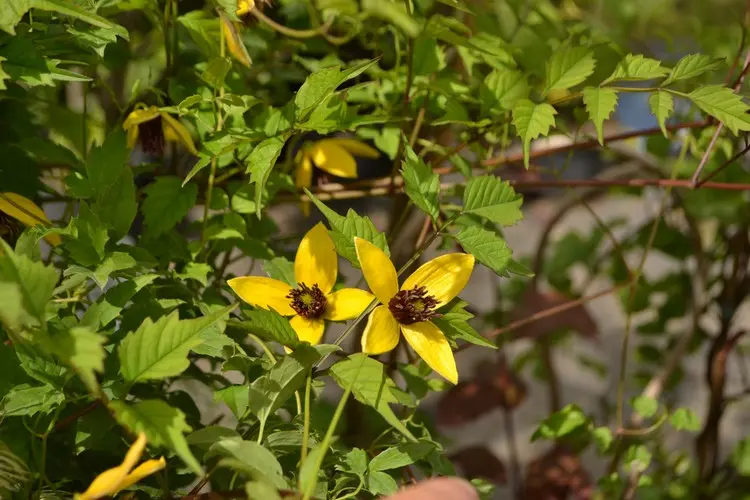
<point>306,428</point>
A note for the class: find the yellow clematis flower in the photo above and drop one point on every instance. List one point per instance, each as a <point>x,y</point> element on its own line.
<point>335,156</point>
<point>110,482</point>
<point>14,207</point>
<point>244,7</point>
<point>410,309</point>
<point>231,35</point>
<point>153,126</point>
<point>312,301</point>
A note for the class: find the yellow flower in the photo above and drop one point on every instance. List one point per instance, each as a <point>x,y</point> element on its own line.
<point>335,156</point>
<point>232,37</point>
<point>24,211</point>
<point>244,7</point>
<point>110,482</point>
<point>312,301</point>
<point>154,126</point>
<point>410,309</point>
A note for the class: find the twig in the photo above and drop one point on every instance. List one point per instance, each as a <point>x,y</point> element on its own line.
<point>73,417</point>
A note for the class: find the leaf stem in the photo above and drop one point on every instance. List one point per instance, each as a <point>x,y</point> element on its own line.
<point>306,427</point>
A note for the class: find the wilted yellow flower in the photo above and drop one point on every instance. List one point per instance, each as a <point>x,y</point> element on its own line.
<point>153,126</point>
<point>312,301</point>
<point>110,482</point>
<point>14,207</point>
<point>244,7</point>
<point>231,35</point>
<point>335,156</point>
<point>410,309</point>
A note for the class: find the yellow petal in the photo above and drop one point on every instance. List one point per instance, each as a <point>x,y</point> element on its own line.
<point>335,160</point>
<point>355,147</point>
<point>132,136</point>
<point>432,346</point>
<point>444,276</point>
<point>308,330</point>
<point>377,269</point>
<point>347,304</point>
<point>303,178</point>
<point>139,116</point>
<point>381,332</point>
<point>145,469</point>
<point>105,484</point>
<point>175,131</point>
<point>27,212</point>
<point>234,43</point>
<point>266,293</point>
<point>134,453</point>
<point>316,261</point>
<point>244,7</point>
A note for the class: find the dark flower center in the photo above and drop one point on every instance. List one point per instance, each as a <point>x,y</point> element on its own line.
<point>151,136</point>
<point>413,306</point>
<point>308,302</point>
<point>10,229</point>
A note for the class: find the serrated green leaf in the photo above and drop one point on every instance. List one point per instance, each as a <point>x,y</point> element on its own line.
<point>259,164</point>
<point>532,120</point>
<point>400,456</point>
<point>67,8</point>
<point>380,483</point>
<point>371,386</point>
<point>82,350</point>
<point>25,400</point>
<point>662,105</point>
<point>236,397</point>
<point>34,280</point>
<point>394,13</point>
<point>344,229</point>
<point>421,184</point>
<point>216,71</point>
<point>107,308</point>
<point>159,349</point>
<point>250,457</point>
<point>637,67</point>
<point>454,323</point>
<point>502,88</point>
<point>487,246</point>
<point>561,423</point>
<point>568,67</point>
<point>271,325</point>
<point>685,419</point>
<point>11,13</point>
<point>493,199</point>
<point>724,105</point>
<point>321,84</point>
<point>428,56</point>
<point>515,267</point>
<point>600,103</point>
<point>162,424</point>
<point>690,66</point>
<point>282,269</point>
<point>167,203</point>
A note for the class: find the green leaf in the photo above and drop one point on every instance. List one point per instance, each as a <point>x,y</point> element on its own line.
<point>600,103</point>
<point>67,8</point>
<point>380,483</point>
<point>271,325</point>
<point>270,391</point>
<point>250,457</point>
<point>236,397</point>
<point>11,13</point>
<point>35,283</point>
<point>685,419</point>
<point>646,407</point>
<point>371,386</point>
<point>428,56</point>
<point>82,350</point>
<point>105,162</point>
<point>14,473</point>
<point>487,246</point>
<point>321,84</point>
<point>662,105</point>
<point>724,105</point>
<point>493,199</point>
<point>568,67</point>
<point>167,203</point>
<point>259,164</point>
<point>259,489</point>
<point>355,461</point>
<point>282,269</point>
<point>532,120</point>
<point>393,13</point>
<point>636,458</point>
<point>25,400</point>
<point>116,205</point>
<point>401,456</point>
<point>197,271</point>
<point>108,307</point>
<point>162,424</point>
<point>636,67</point>
<point>455,325</point>
<point>421,184</point>
<point>692,65</point>
<point>159,350</point>
<point>561,423</point>
<point>503,88</point>
<point>115,261</point>
<point>344,229</point>
<point>741,457</point>
<point>602,436</point>
<point>216,71</point>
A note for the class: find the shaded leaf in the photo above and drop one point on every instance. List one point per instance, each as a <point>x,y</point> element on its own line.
<point>251,458</point>
<point>260,163</point>
<point>167,203</point>
<point>421,184</point>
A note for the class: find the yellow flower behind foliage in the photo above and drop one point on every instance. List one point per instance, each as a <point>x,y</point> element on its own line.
<point>231,34</point>
<point>335,156</point>
<point>27,213</point>
<point>410,309</point>
<point>153,127</point>
<point>312,301</point>
<point>110,482</point>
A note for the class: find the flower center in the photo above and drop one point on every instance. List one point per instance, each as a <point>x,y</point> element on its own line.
<point>308,302</point>
<point>152,136</point>
<point>10,229</point>
<point>413,306</point>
